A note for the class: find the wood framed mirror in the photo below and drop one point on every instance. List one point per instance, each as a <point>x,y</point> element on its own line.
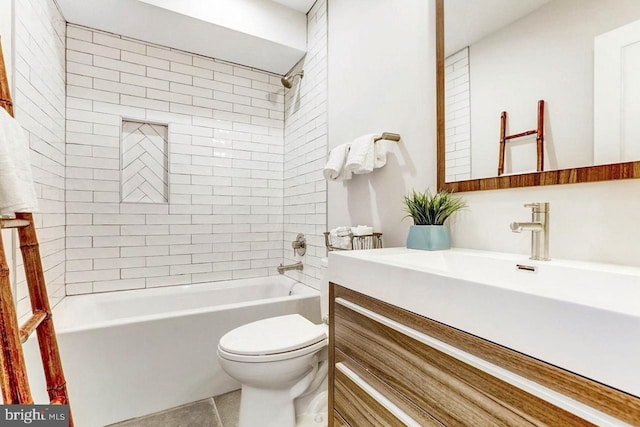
<point>557,114</point>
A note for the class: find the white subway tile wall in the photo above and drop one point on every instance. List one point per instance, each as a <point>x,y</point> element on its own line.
<point>224,215</point>
<point>39,100</point>
<point>458,114</point>
<point>305,142</point>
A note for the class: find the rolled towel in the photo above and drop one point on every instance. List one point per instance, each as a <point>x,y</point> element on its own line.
<point>361,155</point>
<point>334,170</point>
<point>342,231</point>
<point>17,192</point>
<point>362,230</point>
<point>381,148</point>
<point>341,237</point>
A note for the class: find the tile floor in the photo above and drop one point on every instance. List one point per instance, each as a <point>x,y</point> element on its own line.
<point>219,411</point>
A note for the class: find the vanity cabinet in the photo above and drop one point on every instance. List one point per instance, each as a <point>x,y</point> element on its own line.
<point>391,367</point>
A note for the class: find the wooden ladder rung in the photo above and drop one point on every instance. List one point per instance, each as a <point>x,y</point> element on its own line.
<point>30,325</point>
<point>520,135</point>
<point>13,223</point>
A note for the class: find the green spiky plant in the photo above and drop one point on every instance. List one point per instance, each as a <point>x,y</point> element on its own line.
<point>431,209</point>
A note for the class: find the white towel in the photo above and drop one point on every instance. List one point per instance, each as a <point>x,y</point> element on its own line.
<point>341,238</point>
<point>362,230</point>
<point>17,193</point>
<point>361,158</point>
<point>334,169</point>
<point>381,148</point>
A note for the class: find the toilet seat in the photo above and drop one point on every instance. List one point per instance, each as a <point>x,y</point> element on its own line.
<point>273,357</point>
<point>276,338</point>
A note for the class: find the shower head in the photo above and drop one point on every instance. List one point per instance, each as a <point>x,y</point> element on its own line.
<point>287,81</point>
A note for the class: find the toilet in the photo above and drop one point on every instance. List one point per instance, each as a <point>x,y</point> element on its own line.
<point>277,360</point>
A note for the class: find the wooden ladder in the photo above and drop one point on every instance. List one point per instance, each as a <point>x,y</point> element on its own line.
<point>539,132</point>
<point>14,381</point>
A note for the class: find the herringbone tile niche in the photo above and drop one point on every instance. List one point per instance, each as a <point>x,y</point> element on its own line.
<point>145,163</point>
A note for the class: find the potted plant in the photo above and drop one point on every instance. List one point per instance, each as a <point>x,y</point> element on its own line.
<point>429,213</point>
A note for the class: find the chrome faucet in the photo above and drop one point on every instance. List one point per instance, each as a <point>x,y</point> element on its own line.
<point>539,227</point>
<point>297,266</point>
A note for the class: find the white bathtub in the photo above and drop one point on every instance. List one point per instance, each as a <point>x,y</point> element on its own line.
<point>127,354</point>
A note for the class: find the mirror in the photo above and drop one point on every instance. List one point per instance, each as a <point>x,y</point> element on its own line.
<point>497,59</point>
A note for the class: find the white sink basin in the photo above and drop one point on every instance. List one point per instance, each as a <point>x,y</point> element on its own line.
<point>583,317</point>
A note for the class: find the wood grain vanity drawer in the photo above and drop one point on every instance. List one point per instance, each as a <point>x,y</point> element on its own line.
<point>453,392</point>
<point>615,403</point>
<point>458,393</point>
<point>364,400</point>
<point>338,421</point>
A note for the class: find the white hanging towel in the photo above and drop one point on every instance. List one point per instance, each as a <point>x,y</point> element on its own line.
<point>381,148</point>
<point>334,169</point>
<point>361,158</point>
<point>17,192</point>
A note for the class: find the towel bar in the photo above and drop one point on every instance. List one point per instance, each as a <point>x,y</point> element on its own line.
<point>388,136</point>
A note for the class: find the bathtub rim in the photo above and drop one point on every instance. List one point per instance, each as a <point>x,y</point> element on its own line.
<point>301,291</point>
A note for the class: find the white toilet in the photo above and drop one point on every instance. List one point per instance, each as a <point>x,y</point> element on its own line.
<point>276,360</point>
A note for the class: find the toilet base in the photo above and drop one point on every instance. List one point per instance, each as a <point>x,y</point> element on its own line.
<point>258,411</point>
<point>311,410</point>
<point>266,408</point>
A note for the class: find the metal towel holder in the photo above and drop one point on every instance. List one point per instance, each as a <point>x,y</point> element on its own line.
<point>389,136</point>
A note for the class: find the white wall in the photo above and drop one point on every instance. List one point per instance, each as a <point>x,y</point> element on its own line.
<point>545,55</point>
<point>224,215</point>
<point>382,78</point>
<point>592,222</point>
<point>305,149</point>
<point>39,98</point>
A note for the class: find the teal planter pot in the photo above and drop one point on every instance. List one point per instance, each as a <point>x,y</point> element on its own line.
<point>429,237</point>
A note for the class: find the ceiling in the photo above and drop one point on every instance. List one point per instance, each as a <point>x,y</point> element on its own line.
<point>468,21</point>
<point>300,5</point>
<point>268,35</point>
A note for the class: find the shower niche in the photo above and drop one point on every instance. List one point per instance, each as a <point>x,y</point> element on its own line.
<point>144,163</point>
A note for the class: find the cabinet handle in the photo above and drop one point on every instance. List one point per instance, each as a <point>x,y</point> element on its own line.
<point>377,396</point>
<point>561,401</point>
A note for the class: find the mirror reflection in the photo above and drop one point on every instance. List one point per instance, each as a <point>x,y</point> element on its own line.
<point>581,57</point>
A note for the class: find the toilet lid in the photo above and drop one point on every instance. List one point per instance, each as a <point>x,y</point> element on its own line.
<point>270,336</point>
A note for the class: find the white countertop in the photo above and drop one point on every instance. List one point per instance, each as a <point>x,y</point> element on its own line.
<point>583,317</point>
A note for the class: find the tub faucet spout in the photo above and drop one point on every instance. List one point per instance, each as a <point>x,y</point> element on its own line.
<point>539,227</point>
<point>297,266</point>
